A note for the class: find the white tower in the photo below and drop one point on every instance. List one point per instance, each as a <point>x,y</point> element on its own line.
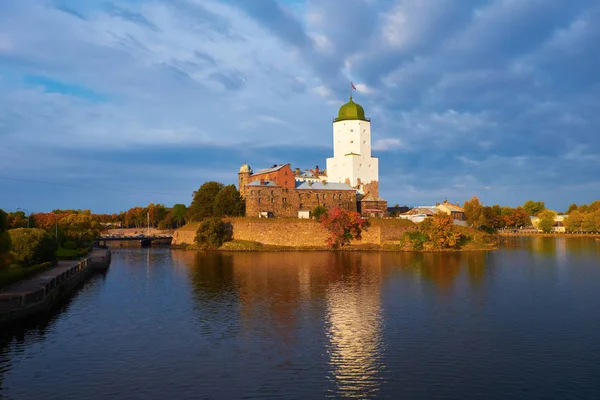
<point>352,162</point>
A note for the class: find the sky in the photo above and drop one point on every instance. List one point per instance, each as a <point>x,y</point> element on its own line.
<point>109,105</point>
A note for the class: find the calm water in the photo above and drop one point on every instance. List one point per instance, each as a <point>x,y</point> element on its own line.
<point>522,322</point>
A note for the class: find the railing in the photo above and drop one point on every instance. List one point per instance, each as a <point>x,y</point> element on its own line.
<point>12,302</point>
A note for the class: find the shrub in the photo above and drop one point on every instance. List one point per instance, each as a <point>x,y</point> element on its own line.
<point>69,245</point>
<point>212,233</point>
<point>32,246</point>
<point>417,239</point>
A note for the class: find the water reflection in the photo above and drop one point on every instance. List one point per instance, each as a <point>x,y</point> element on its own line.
<point>354,329</point>
<point>323,324</point>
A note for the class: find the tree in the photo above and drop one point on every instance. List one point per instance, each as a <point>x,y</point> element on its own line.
<point>4,239</point>
<point>574,222</point>
<point>473,209</point>
<point>204,200</point>
<point>80,228</point>
<point>343,226</point>
<point>178,214</point>
<point>319,211</point>
<point>442,232</point>
<point>228,203</point>
<point>546,220</point>
<point>572,207</point>
<point>534,207</point>
<point>32,246</point>
<point>212,233</point>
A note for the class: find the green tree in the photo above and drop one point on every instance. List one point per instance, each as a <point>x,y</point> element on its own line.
<point>212,233</point>
<point>178,214</point>
<point>319,211</point>
<point>229,203</point>
<point>546,220</point>
<point>32,246</point>
<point>204,201</point>
<point>534,207</point>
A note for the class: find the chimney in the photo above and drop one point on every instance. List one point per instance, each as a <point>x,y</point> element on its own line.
<point>297,171</point>
<point>274,165</point>
<point>262,181</point>
<point>317,170</point>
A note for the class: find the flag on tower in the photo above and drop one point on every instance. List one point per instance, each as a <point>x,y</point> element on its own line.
<point>352,84</point>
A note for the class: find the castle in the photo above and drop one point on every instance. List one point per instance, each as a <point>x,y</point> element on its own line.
<point>351,180</point>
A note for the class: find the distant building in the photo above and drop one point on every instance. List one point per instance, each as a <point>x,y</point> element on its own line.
<point>558,227</point>
<point>350,182</point>
<point>418,214</point>
<point>456,211</point>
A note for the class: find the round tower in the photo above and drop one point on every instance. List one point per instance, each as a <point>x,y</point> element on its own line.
<point>244,178</point>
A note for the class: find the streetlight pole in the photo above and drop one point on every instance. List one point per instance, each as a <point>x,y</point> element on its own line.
<point>28,215</point>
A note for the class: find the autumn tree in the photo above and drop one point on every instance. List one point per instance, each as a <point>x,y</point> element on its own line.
<point>442,232</point>
<point>343,226</point>
<point>546,220</point>
<point>473,209</point>
<point>534,207</point>
<point>80,228</point>
<point>228,203</point>
<point>204,200</point>
<point>574,222</point>
<point>572,207</point>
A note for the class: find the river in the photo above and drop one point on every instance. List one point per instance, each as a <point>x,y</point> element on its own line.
<point>520,322</point>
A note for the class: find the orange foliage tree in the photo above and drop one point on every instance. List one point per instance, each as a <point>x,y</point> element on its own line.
<point>343,226</point>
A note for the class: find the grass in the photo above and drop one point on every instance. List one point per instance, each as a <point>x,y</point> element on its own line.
<point>71,254</point>
<point>16,273</point>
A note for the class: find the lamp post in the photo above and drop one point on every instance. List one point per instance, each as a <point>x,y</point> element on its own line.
<point>28,215</point>
<point>55,226</point>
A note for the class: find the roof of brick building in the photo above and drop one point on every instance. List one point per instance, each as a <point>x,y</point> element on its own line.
<point>263,183</point>
<point>267,170</point>
<point>323,186</point>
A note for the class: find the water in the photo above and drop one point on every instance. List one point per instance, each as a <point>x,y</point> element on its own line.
<point>522,322</point>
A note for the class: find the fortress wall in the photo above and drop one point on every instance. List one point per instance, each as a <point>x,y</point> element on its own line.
<point>296,232</point>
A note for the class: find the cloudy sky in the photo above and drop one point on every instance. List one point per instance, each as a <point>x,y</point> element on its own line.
<point>107,105</point>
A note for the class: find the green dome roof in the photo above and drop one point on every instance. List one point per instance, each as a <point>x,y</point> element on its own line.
<point>351,111</point>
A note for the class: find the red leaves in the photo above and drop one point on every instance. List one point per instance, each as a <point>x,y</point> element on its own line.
<point>343,226</point>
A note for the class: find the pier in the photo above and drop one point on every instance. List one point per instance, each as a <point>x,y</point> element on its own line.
<point>41,292</point>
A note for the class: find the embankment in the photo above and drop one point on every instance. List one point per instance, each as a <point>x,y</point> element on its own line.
<point>297,233</point>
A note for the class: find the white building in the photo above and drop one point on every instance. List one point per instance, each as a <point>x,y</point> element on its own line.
<point>352,162</point>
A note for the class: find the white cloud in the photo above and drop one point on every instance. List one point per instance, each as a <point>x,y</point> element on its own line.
<point>387,144</point>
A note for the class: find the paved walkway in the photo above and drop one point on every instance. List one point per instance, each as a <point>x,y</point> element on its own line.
<point>34,283</point>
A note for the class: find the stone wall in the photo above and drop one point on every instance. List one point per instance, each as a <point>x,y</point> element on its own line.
<point>283,202</point>
<point>297,232</point>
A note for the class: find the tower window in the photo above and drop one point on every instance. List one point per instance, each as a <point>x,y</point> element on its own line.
<point>352,141</point>
<point>351,130</point>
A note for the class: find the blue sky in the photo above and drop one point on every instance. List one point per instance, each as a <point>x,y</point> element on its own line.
<point>129,102</point>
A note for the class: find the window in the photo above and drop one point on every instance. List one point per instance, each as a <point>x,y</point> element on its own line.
<point>299,195</point>
<point>324,195</point>
<point>272,192</point>
<point>252,192</point>
<point>258,201</point>
<point>272,200</point>
<point>285,183</point>
<point>301,206</point>
<point>351,130</point>
<point>284,200</point>
<point>352,141</point>
<point>259,192</point>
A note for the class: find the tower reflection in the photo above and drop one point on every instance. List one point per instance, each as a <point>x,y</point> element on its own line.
<point>354,327</point>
